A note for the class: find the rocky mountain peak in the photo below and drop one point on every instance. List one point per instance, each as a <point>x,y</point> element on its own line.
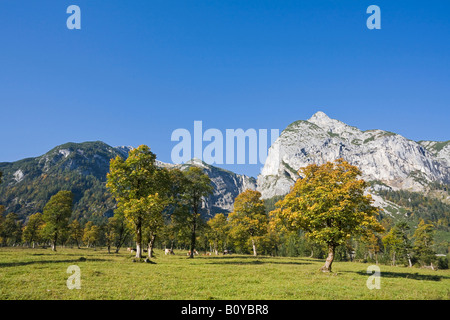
<point>382,156</point>
<point>319,116</point>
<point>196,162</point>
<point>333,126</point>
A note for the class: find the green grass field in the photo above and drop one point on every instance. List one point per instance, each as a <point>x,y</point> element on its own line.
<point>41,274</point>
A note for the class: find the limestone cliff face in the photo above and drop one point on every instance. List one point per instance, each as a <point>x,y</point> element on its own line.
<point>381,155</point>
<point>439,149</point>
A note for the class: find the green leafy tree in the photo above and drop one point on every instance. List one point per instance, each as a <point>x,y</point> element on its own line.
<point>56,216</point>
<point>3,233</point>
<point>197,187</point>
<point>398,243</point>
<point>150,210</point>
<point>64,236</point>
<point>12,229</point>
<point>329,204</point>
<point>109,233</point>
<point>117,231</point>
<point>176,210</point>
<point>424,239</point>
<point>169,234</point>
<point>203,237</point>
<point>31,232</point>
<point>181,228</point>
<point>219,230</point>
<point>76,232</point>
<point>2,221</point>
<point>269,242</point>
<point>373,245</point>
<point>91,234</point>
<point>18,232</point>
<point>249,220</point>
<point>139,187</point>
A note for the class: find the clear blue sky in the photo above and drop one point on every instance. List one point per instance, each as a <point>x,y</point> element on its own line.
<point>137,70</point>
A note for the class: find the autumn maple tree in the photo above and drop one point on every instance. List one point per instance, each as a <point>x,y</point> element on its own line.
<point>219,230</point>
<point>329,203</point>
<point>141,189</point>
<point>56,216</point>
<point>249,220</point>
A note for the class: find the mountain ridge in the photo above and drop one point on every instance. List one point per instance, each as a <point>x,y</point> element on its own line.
<point>396,161</point>
<point>82,167</point>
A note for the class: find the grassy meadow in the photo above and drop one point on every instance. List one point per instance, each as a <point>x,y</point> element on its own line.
<point>41,274</point>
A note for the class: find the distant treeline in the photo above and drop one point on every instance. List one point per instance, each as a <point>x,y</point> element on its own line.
<point>421,207</point>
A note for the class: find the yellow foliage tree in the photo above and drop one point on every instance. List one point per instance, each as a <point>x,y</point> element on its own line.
<point>219,231</point>
<point>329,203</point>
<point>141,189</point>
<point>249,220</point>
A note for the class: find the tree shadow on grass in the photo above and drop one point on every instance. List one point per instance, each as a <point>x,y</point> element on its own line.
<point>318,260</point>
<point>250,260</point>
<point>25,263</point>
<point>405,275</point>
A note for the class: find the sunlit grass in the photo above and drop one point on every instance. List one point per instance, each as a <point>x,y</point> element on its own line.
<point>41,274</point>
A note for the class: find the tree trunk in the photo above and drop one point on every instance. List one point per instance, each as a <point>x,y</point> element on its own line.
<point>409,259</point>
<point>254,247</point>
<point>150,246</point>
<point>54,243</point>
<point>138,241</point>
<point>138,251</point>
<point>120,242</point>
<point>329,261</point>
<point>118,245</point>
<point>194,227</point>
